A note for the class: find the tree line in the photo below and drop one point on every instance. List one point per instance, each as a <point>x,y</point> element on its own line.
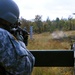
<point>40,26</point>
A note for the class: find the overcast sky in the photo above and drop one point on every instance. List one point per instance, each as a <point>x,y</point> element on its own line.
<point>46,8</point>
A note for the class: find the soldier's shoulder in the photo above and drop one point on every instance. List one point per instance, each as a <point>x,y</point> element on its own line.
<point>3,32</point>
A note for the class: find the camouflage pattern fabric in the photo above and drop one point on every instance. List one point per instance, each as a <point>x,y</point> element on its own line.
<point>14,56</point>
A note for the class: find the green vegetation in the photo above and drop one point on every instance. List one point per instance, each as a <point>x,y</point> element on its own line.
<point>48,25</point>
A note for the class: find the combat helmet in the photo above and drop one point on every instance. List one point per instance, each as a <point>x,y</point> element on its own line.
<point>9,11</point>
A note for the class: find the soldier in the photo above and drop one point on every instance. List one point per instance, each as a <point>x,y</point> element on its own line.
<point>15,58</point>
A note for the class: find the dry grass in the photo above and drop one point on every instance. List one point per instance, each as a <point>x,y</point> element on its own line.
<point>44,41</point>
<point>52,71</point>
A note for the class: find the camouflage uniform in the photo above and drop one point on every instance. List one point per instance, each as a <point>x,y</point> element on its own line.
<point>14,56</point>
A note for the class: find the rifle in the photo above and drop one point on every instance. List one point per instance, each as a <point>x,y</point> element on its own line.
<point>19,33</point>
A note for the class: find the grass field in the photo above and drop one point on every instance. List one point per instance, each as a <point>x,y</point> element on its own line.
<point>46,41</point>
